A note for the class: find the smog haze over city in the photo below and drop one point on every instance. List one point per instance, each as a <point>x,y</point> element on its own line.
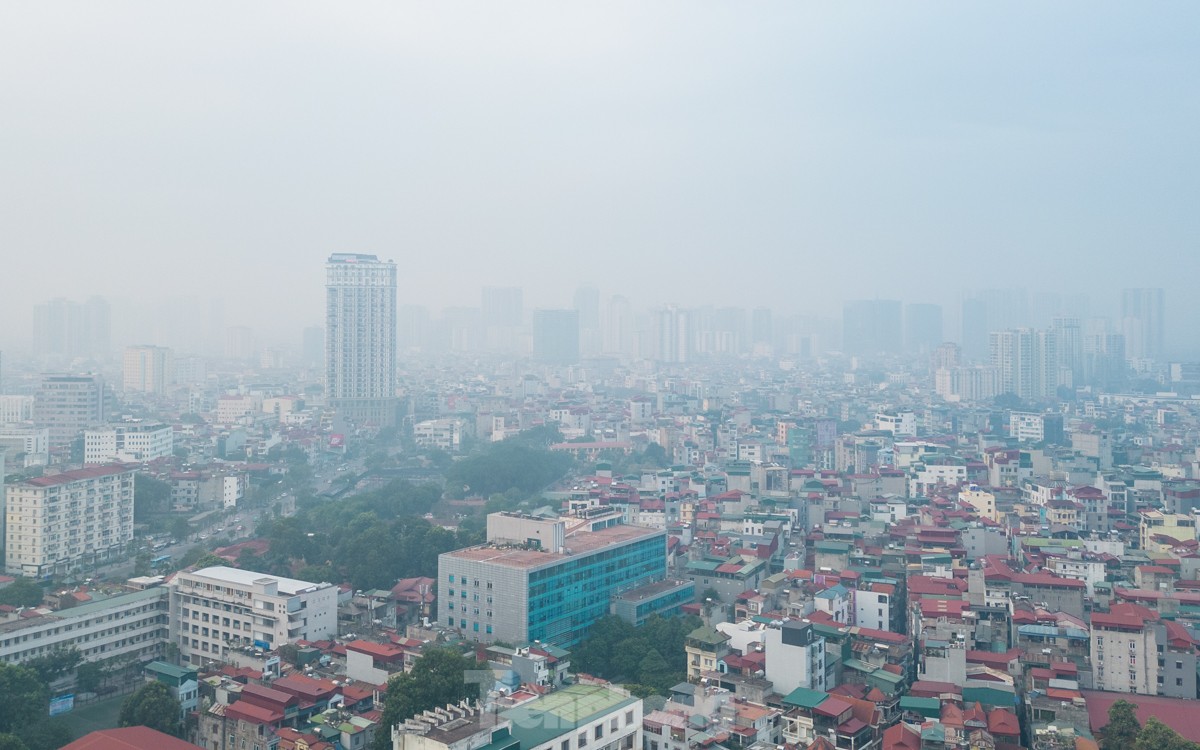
<point>195,164</point>
<point>599,376</point>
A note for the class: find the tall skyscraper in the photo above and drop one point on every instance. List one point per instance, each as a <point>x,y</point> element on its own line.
<point>1142,312</point>
<point>556,336</point>
<point>620,334</point>
<point>360,338</point>
<point>587,303</point>
<point>922,328</point>
<point>871,327</point>
<point>672,335</point>
<point>1027,361</point>
<point>64,329</point>
<point>503,313</point>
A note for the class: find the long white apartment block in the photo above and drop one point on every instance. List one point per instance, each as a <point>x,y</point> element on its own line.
<point>217,609</point>
<point>76,518</point>
<point>129,442</point>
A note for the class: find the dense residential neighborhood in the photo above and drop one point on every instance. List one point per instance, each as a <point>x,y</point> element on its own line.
<point>767,550</point>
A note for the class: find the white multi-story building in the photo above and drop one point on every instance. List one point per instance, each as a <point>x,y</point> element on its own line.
<point>596,717</point>
<point>360,337</point>
<point>133,624</point>
<point>128,442</point>
<point>74,518</point>
<point>439,433</point>
<point>16,409</point>
<point>147,369</point>
<point>1026,427</point>
<point>232,409</point>
<point>217,609</point>
<point>69,404</point>
<point>978,383</point>
<point>795,657</point>
<point>900,424</point>
<point>32,442</point>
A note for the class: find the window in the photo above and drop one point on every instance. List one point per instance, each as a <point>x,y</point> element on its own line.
<point>598,731</point>
<point>582,740</point>
<point>566,745</point>
<point>614,725</point>
<point>1179,665</point>
<point>628,718</point>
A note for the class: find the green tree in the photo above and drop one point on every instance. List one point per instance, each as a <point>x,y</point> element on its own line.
<point>12,742</point>
<point>1122,729</point>
<point>1156,735</point>
<point>209,560</point>
<point>24,698</point>
<point>51,666</point>
<point>89,676</point>
<point>180,528</point>
<point>653,670</point>
<point>23,592</point>
<point>437,678</point>
<point>46,734</point>
<point>639,691</point>
<point>150,496</point>
<point>154,706</point>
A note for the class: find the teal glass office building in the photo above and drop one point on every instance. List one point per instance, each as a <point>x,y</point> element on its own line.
<point>518,594</point>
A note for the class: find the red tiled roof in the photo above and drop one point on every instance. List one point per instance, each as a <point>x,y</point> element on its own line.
<point>129,738</point>
<point>1177,713</point>
<point>91,472</point>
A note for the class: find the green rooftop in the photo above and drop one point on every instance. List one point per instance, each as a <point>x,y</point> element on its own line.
<point>562,711</point>
<point>806,698</point>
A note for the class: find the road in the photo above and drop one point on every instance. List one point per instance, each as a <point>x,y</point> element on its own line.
<point>248,519</point>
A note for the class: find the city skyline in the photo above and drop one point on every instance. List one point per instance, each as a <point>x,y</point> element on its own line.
<point>753,156</point>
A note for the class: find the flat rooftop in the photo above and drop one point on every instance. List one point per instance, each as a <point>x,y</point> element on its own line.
<point>248,577</point>
<point>651,590</point>
<point>579,543</point>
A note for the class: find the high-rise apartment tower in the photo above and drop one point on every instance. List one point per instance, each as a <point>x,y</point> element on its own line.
<point>360,338</point>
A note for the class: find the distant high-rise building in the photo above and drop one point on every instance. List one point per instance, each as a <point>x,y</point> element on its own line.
<point>64,330</point>
<point>761,329</point>
<point>503,315</point>
<point>412,327</point>
<point>503,305</point>
<point>1142,313</point>
<point>871,327</point>
<point>66,405</point>
<point>672,335</point>
<point>587,304</point>
<point>1027,362</point>
<point>312,346</point>
<point>147,369</point>
<point>922,328</point>
<point>360,337</point>
<point>556,336</point>
<point>240,343</point>
<point>620,332</point>
<point>991,310</point>
<point>1070,351</point>
<point>1103,355</point>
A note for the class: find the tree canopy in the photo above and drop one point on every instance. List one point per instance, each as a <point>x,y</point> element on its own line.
<point>154,706</point>
<point>371,539</point>
<point>1122,728</point>
<point>651,655</point>
<point>23,592</point>
<point>524,464</point>
<point>24,708</point>
<point>437,678</point>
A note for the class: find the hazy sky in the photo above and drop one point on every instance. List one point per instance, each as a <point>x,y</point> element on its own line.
<point>793,154</point>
